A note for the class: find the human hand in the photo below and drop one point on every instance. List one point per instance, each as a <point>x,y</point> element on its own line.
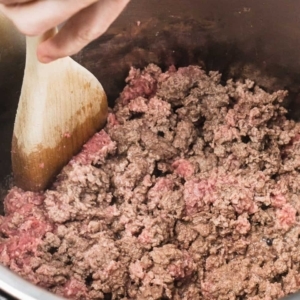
<point>85,21</point>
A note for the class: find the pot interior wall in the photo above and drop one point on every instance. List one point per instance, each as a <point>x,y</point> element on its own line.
<point>259,40</point>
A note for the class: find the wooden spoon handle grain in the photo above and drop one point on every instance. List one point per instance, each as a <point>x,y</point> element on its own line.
<point>61,106</point>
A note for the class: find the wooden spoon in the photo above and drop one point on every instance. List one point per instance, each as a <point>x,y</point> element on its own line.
<point>61,106</point>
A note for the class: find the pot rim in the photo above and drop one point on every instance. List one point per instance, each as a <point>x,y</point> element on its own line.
<point>19,288</point>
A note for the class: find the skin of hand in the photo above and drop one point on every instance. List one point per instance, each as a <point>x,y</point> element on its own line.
<point>85,20</point>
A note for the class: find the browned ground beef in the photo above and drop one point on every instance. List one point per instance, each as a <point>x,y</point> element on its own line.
<point>190,192</point>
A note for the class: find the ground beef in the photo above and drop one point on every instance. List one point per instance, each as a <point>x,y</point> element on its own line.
<point>191,191</point>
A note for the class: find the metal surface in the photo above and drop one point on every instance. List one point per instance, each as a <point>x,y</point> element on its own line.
<point>240,38</point>
<point>295,296</point>
<point>12,61</point>
<point>21,289</point>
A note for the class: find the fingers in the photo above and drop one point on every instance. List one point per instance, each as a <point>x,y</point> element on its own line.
<point>13,2</point>
<point>87,20</point>
<point>36,17</point>
<point>81,29</point>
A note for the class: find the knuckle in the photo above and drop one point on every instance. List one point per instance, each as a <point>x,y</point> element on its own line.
<point>87,35</point>
<point>85,3</point>
<point>28,29</point>
<point>121,2</point>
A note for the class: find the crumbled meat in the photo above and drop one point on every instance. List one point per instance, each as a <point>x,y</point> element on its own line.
<point>190,192</point>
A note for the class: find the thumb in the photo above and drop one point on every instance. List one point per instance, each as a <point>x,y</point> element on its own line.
<point>80,30</point>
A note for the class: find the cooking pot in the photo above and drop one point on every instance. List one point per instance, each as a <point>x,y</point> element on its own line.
<point>252,39</point>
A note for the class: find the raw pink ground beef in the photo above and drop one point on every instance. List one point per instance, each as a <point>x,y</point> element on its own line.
<point>189,192</point>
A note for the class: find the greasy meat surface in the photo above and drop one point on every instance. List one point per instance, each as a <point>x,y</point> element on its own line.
<point>190,192</point>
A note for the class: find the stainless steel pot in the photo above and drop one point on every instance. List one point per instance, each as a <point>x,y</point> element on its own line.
<point>240,38</point>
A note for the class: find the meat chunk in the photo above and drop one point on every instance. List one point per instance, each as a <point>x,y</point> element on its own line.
<point>191,191</point>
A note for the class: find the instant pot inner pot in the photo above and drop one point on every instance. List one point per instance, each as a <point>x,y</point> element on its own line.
<point>259,40</point>
<point>252,39</point>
